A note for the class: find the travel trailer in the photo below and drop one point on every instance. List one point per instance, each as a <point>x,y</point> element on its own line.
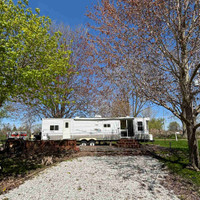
<point>92,130</point>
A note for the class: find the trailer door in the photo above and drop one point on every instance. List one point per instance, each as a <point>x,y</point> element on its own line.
<point>130,128</point>
<point>126,128</point>
<point>123,128</point>
<point>66,129</point>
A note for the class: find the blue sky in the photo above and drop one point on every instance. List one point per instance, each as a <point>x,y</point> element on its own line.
<point>72,13</point>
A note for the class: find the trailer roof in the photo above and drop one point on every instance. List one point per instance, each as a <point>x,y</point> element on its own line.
<point>101,118</point>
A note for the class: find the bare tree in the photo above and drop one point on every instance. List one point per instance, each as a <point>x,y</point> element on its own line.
<point>114,53</point>
<point>158,42</point>
<point>148,112</point>
<point>120,106</point>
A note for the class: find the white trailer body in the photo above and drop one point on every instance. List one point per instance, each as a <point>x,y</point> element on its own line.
<point>95,128</point>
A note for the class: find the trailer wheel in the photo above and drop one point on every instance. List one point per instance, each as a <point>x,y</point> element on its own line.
<point>83,143</point>
<point>92,142</point>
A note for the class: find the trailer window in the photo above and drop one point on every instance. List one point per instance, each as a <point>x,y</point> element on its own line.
<point>66,125</point>
<point>107,125</point>
<point>140,126</point>
<point>54,127</point>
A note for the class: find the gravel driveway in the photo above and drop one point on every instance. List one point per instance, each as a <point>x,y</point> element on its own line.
<point>106,178</point>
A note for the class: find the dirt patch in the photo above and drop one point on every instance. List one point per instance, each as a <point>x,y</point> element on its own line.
<point>182,188</point>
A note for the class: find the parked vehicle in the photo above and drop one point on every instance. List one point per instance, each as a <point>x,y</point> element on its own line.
<point>17,135</point>
<point>91,130</point>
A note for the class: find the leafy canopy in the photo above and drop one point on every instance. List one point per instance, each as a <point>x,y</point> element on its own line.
<point>156,124</point>
<point>30,56</point>
<point>174,126</point>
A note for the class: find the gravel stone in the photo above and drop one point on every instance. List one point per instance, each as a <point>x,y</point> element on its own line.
<point>106,178</point>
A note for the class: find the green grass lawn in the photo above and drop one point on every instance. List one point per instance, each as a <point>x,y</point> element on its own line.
<point>176,158</point>
<point>180,144</point>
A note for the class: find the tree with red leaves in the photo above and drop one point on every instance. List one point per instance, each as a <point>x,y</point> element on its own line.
<point>157,42</point>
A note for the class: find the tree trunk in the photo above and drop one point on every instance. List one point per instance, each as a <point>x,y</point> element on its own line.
<point>184,129</point>
<point>193,146</point>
